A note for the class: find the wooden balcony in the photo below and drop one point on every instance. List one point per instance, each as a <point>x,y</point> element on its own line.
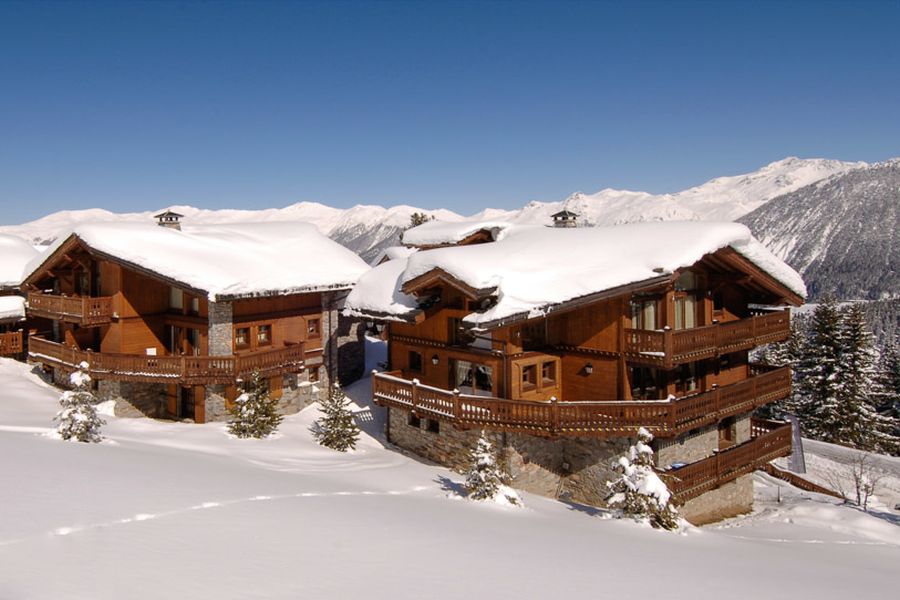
<point>668,348</point>
<point>663,418</point>
<point>11,343</point>
<point>184,370</point>
<point>81,310</point>
<point>770,440</point>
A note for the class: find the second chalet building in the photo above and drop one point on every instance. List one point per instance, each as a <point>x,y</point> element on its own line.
<point>15,254</point>
<point>171,319</point>
<point>561,342</point>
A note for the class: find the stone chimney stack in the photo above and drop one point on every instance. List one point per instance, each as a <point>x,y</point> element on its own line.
<point>565,218</point>
<point>169,219</point>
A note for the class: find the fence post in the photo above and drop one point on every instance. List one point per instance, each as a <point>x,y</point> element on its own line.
<point>554,414</point>
<point>415,395</point>
<point>668,346</point>
<point>457,408</point>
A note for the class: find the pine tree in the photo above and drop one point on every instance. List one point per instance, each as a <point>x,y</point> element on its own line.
<point>889,380</point>
<point>336,428</point>
<point>485,479</point>
<point>254,413</point>
<point>78,417</point>
<point>817,374</point>
<point>859,425</point>
<point>785,354</point>
<point>638,491</point>
<point>418,218</point>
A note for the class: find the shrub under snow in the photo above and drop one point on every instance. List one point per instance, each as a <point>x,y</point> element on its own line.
<point>639,491</point>
<point>78,417</point>
<point>254,413</point>
<point>485,480</point>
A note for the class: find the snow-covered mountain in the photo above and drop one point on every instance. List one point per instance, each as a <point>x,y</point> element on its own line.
<point>368,229</point>
<point>842,234</point>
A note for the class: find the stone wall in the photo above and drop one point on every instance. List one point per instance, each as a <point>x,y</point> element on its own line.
<point>297,392</point>
<point>690,447</point>
<point>221,316</point>
<point>344,342</point>
<point>134,399</point>
<point>732,499</point>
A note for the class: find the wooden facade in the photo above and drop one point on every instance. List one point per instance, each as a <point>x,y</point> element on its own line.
<point>135,326</point>
<point>671,356</point>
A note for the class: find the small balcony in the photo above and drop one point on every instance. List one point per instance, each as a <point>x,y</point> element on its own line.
<point>11,343</point>
<point>770,440</point>
<point>668,348</point>
<point>614,418</point>
<point>81,310</point>
<point>183,370</point>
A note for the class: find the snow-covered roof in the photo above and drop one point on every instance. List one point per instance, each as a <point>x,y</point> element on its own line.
<point>12,308</point>
<point>15,254</point>
<point>441,233</point>
<point>534,268</point>
<point>226,261</point>
<point>392,253</point>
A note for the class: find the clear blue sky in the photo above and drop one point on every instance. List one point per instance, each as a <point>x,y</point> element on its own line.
<point>133,106</point>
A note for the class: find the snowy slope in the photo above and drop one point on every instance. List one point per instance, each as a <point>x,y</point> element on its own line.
<point>15,254</point>
<point>173,510</point>
<point>368,229</point>
<point>842,234</point>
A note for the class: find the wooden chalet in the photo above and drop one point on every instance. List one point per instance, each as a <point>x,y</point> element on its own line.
<point>561,343</point>
<point>171,319</point>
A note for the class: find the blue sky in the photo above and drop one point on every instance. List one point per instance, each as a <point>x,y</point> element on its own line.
<point>134,106</point>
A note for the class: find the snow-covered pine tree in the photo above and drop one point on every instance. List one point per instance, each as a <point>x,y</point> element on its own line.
<point>860,425</point>
<point>336,428</point>
<point>254,413</point>
<point>485,479</point>
<point>638,491</point>
<point>785,354</point>
<point>78,418</point>
<point>889,379</point>
<point>817,374</point>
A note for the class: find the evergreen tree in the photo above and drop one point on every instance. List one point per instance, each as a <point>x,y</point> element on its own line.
<point>889,380</point>
<point>485,479</point>
<point>336,428</point>
<point>817,374</point>
<point>858,424</point>
<point>638,491</point>
<point>254,413</point>
<point>418,218</point>
<point>78,417</point>
<point>785,354</point>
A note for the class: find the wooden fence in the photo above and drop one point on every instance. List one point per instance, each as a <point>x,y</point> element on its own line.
<point>187,370</point>
<point>76,309</point>
<point>11,343</point>
<point>663,418</point>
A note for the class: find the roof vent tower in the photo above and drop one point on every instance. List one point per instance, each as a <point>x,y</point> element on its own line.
<point>169,219</point>
<point>565,218</point>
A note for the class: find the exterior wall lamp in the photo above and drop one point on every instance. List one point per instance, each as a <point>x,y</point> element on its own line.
<point>435,359</point>
<point>588,369</point>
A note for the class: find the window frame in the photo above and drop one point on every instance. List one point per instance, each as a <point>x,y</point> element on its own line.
<point>247,337</point>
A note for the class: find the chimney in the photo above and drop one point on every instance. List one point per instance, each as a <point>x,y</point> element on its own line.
<point>169,219</point>
<point>565,218</point>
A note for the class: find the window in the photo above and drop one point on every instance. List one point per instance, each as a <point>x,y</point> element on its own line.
<point>529,376</point>
<point>432,426</point>
<point>643,314</point>
<point>264,335</point>
<point>414,421</point>
<point>686,378</point>
<point>686,281</point>
<point>644,383</point>
<point>241,337</point>
<point>415,361</point>
<point>176,298</point>
<point>685,311</point>
<point>472,378</point>
<point>548,373</point>
<point>195,306</point>
<point>312,328</point>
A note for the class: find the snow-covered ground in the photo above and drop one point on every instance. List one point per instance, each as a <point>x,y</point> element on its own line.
<point>163,509</point>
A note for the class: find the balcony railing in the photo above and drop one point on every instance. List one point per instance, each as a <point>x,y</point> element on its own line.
<point>667,348</point>
<point>663,418</point>
<point>185,370</point>
<point>11,343</point>
<point>770,440</point>
<point>82,310</point>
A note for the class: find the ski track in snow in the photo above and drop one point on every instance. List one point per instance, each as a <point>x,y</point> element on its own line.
<point>65,531</point>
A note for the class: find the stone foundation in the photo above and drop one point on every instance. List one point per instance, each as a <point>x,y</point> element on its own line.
<point>297,392</point>
<point>134,399</point>
<point>732,499</point>
<point>345,341</point>
<point>574,469</point>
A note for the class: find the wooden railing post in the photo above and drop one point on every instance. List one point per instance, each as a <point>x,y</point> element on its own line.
<point>457,406</point>
<point>414,396</point>
<point>554,415</point>
<point>753,321</point>
<point>668,346</point>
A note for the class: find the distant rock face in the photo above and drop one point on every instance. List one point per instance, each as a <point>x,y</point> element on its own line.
<point>842,234</point>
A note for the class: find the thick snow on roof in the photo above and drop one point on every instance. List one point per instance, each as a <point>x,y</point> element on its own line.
<point>534,268</point>
<point>392,253</point>
<point>12,307</point>
<point>435,233</point>
<point>15,254</point>
<point>248,259</point>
